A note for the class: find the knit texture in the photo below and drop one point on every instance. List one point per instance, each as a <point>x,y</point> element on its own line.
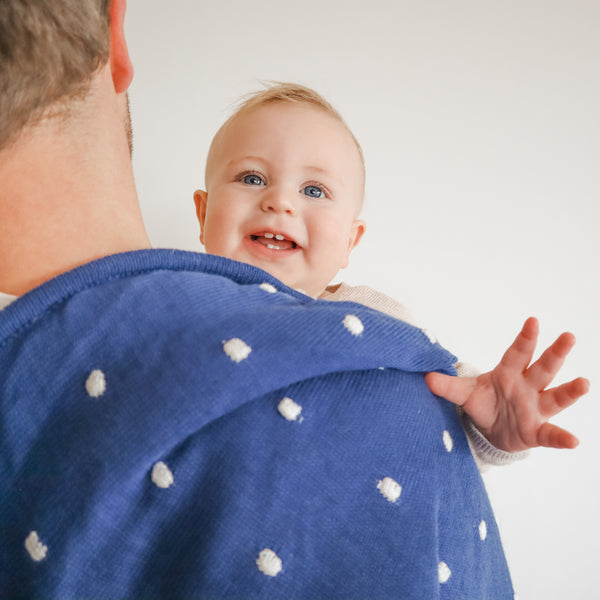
<point>145,451</point>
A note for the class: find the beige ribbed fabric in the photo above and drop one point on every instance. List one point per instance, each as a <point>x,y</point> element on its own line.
<point>367,296</point>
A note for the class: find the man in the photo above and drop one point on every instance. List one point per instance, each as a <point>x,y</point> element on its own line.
<point>182,425</point>
<point>68,194</point>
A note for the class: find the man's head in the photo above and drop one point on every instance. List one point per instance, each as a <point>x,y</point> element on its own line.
<point>66,179</point>
<point>49,52</point>
<point>285,184</point>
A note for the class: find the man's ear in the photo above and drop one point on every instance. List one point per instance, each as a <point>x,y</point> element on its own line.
<point>200,199</point>
<point>356,232</point>
<point>120,63</point>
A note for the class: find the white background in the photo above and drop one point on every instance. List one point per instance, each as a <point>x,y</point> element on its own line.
<point>480,127</point>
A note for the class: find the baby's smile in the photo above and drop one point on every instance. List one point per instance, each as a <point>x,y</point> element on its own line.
<point>274,241</point>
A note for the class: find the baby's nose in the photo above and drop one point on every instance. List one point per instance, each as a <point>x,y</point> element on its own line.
<point>277,201</point>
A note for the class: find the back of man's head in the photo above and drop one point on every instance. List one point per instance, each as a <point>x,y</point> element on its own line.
<point>49,50</point>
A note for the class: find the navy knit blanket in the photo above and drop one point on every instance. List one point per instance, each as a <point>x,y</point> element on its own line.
<point>177,425</point>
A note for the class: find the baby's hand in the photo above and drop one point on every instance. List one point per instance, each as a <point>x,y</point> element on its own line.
<point>510,404</point>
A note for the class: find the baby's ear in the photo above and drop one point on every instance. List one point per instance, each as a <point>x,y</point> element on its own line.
<point>200,199</point>
<point>357,230</point>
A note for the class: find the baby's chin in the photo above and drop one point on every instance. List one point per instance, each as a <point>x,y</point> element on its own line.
<point>304,288</point>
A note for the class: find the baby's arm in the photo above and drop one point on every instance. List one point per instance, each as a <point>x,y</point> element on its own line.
<point>510,405</point>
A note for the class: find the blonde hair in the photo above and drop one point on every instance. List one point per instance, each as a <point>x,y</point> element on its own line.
<point>281,92</point>
<point>49,50</point>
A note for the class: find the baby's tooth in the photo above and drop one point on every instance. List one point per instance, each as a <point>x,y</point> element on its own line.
<point>269,235</point>
<point>279,237</point>
<point>273,247</point>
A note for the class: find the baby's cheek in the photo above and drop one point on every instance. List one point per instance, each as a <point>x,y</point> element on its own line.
<point>216,245</point>
<point>216,236</point>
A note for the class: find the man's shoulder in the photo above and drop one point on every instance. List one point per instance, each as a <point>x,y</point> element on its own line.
<point>140,278</point>
<point>195,304</point>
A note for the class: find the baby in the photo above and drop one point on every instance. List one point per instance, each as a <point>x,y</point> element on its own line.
<point>285,181</point>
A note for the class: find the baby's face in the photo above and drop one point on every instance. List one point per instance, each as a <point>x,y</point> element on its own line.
<point>284,188</point>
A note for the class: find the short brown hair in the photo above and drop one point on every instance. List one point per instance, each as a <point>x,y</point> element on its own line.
<point>284,92</point>
<point>49,50</point>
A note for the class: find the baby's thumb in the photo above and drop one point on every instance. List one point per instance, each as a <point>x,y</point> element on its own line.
<point>453,389</point>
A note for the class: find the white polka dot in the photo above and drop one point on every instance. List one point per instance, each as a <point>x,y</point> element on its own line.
<point>289,409</point>
<point>269,563</point>
<point>267,287</point>
<point>381,368</point>
<point>444,572</point>
<point>162,476</point>
<point>36,549</point>
<point>236,349</point>
<point>448,442</point>
<point>96,384</point>
<point>482,530</point>
<point>389,489</point>
<point>430,336</point>
<point>353,324</point>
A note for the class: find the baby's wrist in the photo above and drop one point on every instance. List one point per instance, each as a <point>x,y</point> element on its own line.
<point>484,449</point>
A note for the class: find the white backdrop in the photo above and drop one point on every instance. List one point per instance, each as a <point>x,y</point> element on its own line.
<point>480,127</point>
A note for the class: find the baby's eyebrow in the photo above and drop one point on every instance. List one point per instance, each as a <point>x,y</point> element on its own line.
<point>316,168</point>
<point>243,158</point>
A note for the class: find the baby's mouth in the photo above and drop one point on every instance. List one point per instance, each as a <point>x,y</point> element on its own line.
<point>274,241</point>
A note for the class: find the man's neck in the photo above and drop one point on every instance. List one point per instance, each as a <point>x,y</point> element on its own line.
<point>65,202</point>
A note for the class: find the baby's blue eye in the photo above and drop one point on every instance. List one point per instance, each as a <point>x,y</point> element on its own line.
<point>252,179</point>
<point>313,191</point>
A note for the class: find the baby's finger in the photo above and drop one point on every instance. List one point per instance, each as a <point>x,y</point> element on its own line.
<point>519,354</point>
<point>557,399</point>
<point>543,370</point>
<point>551,436</point>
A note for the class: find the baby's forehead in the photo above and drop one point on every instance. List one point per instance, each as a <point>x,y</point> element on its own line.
<point>288,117</point>
<point>286,112</point>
